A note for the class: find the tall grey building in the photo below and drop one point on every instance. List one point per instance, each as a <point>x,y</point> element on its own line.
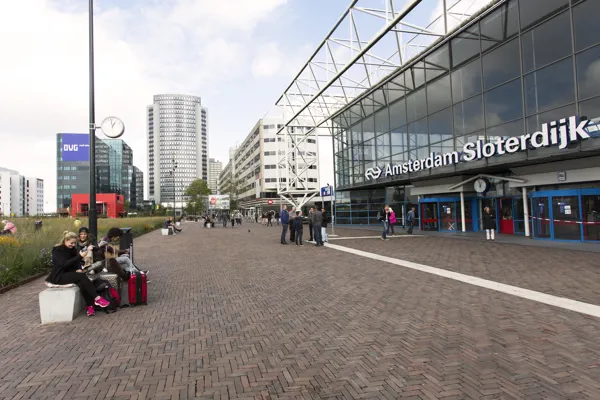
<point>177,145</point>
<point>214,170</point>
<point>139,188</point>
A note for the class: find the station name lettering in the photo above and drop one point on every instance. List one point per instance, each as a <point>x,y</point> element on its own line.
<point>561,133</point>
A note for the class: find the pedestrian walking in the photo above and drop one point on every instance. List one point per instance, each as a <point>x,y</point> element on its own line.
<point>310,224</point>
<point>269,219</point>
<point>384,218</point>
<point>285,217</point>
<point>298,228</point>
<point>317,220</point>
<point>392,222</point>
<point>489,224</point>
<point>277,216</point>
<point>410,219</point>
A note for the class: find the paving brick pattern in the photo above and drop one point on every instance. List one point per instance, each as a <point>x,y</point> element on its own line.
<point>235,315</point>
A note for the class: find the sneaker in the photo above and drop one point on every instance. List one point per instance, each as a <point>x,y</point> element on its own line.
<point>100,302</point>
<point>90,311</point>
<point>145,272</point>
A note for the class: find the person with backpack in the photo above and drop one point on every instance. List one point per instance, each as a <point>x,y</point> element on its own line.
<point>66,269</point>
<point>384,218</point>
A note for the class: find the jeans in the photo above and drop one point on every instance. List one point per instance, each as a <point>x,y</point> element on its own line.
<point>284,228</point>
<point>490,234</point>
<point>318,237</point>
<point>410,226</point>
<point>127,264</point>
<point>299,237</point>
<point>310,232</point>
<point>87,288</point>
<point>391,228</point>
<point>385,229</point>
<point>324,236</point>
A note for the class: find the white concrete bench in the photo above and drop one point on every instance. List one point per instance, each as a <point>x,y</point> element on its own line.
<point>61,304</point>
<point>164,232</point>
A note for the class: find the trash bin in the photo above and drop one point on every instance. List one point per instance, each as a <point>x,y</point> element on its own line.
<point>127,241</point>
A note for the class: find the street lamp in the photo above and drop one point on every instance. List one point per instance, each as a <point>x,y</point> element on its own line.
<point>112,127</point>
<point>172,172</point>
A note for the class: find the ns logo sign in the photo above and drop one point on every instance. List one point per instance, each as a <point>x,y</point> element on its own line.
<point>373,173</point>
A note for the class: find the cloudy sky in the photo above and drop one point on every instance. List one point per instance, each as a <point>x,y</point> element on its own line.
<point>238,55</point>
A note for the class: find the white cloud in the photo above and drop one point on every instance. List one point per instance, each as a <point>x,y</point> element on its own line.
<point>154,46</point>
<point>267,62</point>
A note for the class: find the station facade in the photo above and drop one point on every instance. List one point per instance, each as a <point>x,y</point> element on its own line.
<point>502,113</point>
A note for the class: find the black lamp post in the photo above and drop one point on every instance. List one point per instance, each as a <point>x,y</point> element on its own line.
<point>173,175</point>
<point>92,215</point>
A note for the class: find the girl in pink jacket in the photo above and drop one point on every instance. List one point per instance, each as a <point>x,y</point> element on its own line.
<point>392,221</point>
<point>9,228</point>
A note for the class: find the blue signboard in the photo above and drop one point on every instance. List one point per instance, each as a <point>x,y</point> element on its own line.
<point>327,191</point>
<point>75,147</point>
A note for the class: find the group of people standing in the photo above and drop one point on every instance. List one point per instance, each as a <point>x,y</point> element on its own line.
<point>294,222</point>
<point>387,217</point>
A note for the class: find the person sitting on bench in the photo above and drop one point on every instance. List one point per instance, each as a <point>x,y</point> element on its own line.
<point>171,226</point>
<point>66,268</point>
<point>121,256</point>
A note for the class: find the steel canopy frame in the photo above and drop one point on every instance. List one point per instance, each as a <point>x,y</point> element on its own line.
<point>344,66</point>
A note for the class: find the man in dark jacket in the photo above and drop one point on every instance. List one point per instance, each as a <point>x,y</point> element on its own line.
<point>310,224</point>
<point>285,219</point>
<point>291,223</point>
<point>317,220</point>
<point>384,218</point>
<point>298,228</point>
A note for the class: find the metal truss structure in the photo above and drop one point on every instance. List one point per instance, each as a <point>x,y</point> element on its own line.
<point>371,40</point>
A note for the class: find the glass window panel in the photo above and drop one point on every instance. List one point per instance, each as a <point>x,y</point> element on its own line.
<point>399,140</point>
<point>395,90</point>
<point>416,105</point>
<point>511,129</point>
<point>504,103</point>
<point>382,146</point>
<point>417,75</point>
<point>468,116</point>
<point>368,127</point>
<point>382,121</point>
<point>550,87</point>
<point>501,65</point>
<point>534,11</point>
<point>590,108</point>
<point>398,158</point>
<point>438,63</point>
<point>462,140</point>
<point>398,114</point>
<point>447,146</point>
<point>465,46</point>
<point>585,16</point>
<point>588,73</point>
<point>440,126</point>
<point>499,26</point>
<point>546,43</point>
<point>591,215</point>
<point>422,152</point>
<point>417,134</point>
<point>534,123</point>
<point>466,81</point>
<point>438,94</point>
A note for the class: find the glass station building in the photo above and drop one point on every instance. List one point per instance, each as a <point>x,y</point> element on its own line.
<point>502,113</point>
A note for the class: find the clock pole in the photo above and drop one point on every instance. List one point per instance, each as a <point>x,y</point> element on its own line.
<point>93,218</point>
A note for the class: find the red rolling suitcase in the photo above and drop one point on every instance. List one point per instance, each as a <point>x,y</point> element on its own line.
<point>138,289</point>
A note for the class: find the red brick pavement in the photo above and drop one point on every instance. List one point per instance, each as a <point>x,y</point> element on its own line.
<point>235,315</point>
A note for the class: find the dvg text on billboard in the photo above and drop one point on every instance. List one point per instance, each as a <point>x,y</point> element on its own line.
<point>75,147</point>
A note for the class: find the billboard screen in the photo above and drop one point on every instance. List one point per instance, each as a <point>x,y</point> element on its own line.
<point>218,202</point>
<point>75,147</point>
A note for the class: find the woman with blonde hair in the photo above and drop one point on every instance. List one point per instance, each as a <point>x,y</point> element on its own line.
<point>66,268</point>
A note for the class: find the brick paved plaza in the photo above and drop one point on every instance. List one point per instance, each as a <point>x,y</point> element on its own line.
<point>234,315</point>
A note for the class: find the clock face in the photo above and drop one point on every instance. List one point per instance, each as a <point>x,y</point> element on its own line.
<point>112,127</point>
<point>480,185</point>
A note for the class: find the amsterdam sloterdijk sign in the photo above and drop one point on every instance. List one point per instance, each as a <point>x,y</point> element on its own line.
<point>561,133</point>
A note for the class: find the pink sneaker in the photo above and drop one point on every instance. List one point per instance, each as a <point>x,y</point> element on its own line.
<point>90,311</point>
<point>100,302</point>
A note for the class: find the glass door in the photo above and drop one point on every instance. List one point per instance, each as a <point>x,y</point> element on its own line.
<point>429,217</point>
<point>541,218</point>
<point>448,216</point>
<point>519,215</point>
<point>591,217</point>
<point>566,217</point>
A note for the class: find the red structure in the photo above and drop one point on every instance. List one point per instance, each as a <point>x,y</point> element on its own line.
<point>110,205</point>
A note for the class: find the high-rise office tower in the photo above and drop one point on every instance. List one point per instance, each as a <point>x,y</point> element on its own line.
<point>214,170</point>
<point>177,146</point>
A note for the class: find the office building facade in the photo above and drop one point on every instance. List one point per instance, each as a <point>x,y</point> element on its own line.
<point>214,170</point>
<point>20,195</point>
<point>115,172</point>
<point>177,143</point>
<point>501,113</point>
<point>139,188</point>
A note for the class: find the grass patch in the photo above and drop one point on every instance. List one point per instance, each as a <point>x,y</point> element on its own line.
<point>29,251</point>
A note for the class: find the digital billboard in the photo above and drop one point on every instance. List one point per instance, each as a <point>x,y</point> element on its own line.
<point>218,202</point>
<point>75,147</point>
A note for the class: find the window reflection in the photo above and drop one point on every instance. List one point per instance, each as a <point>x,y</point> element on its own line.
<point>546,43</point>
<point>440,126</point>
<point>501,65</point>
<point>585,16</point>
<point>466,81</point>
<point>439,94</point>
<point>417,134</point>
<point>468,116</point>
<point>534,11</point>
<point>550,87</point>
<point>499,26</point>
<point>416,105</point>
<point>438,63</point>
<point>465,46</point>
<point>398,114</point>
<point>588,73</point>
<point>504,103</point>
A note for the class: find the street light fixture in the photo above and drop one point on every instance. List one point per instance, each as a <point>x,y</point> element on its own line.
<point>172,172</point>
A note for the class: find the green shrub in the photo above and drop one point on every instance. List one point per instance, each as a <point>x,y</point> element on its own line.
<point>29,252</point>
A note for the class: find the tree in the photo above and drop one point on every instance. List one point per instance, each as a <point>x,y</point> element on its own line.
<point>233,190</point>
<point>196,193</point>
